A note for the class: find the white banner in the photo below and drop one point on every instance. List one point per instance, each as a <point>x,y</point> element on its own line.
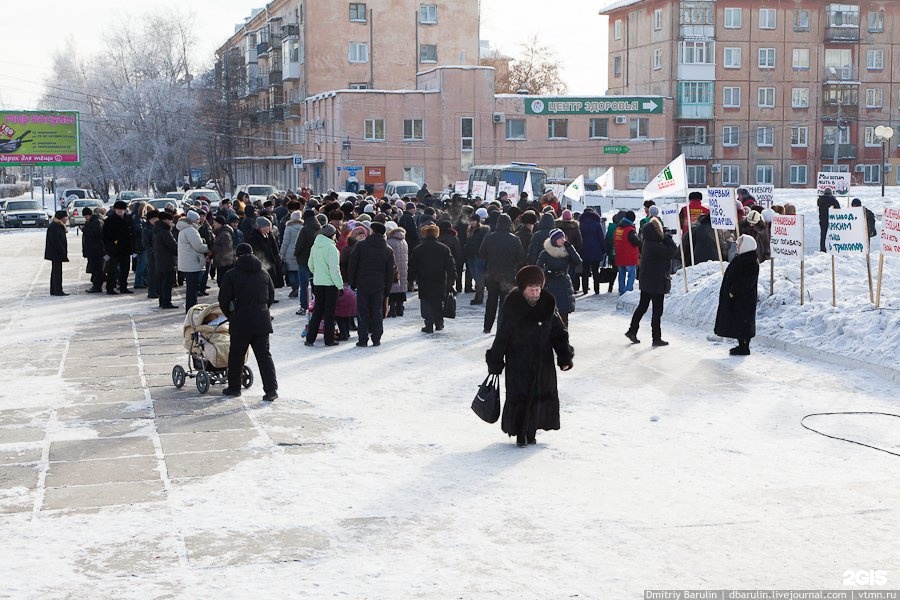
<point>511,189</point>
<point>528,187</point>
<point>890,232</point>
<point>461,187</point>
<point>479,188</point>
<point>722,208</point>
<point>606,182</point>
<point>671,181</point>
<point>669,215</point>
<point>847,233</point>
<point>764,194</point>
<point>838,182</point>
<point>787,237</point>
<point>575,190</point>
<point>490,193</point>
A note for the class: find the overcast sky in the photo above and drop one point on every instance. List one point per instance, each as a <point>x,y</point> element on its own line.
<point>571,27</point>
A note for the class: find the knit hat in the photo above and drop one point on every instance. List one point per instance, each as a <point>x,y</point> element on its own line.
<point>120,204</point>
<point>218,219</point>
<point>654,211</point>
<point>263,222</point>
<point>395,196</point>
<point>378,228</point>
<point>410,206</point>
<point>556,235</point>
<point>370,209</point>
<point>359,230</point>
<point>630,216</point>
<point>399,203</point>
<point>567,215</point>
<point>363,218</point>
<point>231,219</point>
<point>309,214</point>
<point>322,219</point>
<point>529,275</point>
<point>328,230</point>
<point>390,226</point>
<point>753,217</point>
<point>296,215</point>
<point>482,213</point>
<point>243,248</point>
<point>430,230</point>
<point>192,216</point>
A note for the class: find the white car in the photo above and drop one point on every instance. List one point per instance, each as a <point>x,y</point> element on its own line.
<point>256,191</point>
<point>189,200</point>
<point>404,189</point>
<point>76,208</point>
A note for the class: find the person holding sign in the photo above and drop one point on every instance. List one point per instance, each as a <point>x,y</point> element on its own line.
<point>825,202</point>
<point>657,251</point>
<point>736,316</point>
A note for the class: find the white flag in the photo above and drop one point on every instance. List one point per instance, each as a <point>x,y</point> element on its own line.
<point>527,188</point>
<point>575,190</point>
<point>671,181</point>
<point>606,182</point>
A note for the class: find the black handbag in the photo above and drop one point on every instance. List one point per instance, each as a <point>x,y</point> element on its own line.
<point>448,309</point>
<point>487,401</point>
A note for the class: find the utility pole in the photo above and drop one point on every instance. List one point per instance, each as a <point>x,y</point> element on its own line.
<point>837,137</point>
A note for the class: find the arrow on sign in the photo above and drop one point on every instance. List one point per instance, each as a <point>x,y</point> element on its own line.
<point>616,149</point>
<point>649,105</point>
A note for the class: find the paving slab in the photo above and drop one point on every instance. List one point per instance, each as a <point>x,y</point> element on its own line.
<point>13,476</point>
<point>24,416</point>
<point>108,396</point>
<point>187,405</point>
<point>236,439</point>
<point>230,548</point>
<point>18,435</point>
<point>202,464</point>
<point>69,450</point>
<point>107,429</point>
<point>134,468</point>
<point>107,494</point>
<point>97,412</point>
<point>117,382</point>
<point>201,422</point>
<point>28,454</point>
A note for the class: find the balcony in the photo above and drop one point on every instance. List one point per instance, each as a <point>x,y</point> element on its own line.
<point>295,109</point>
<point>697,32</point>
<point>840,74</point>
<point>842,34</point>
<point>697,151</point>
<point>290,31</point>
<point>845,151</point>
<point>265,117</point>
<point>278,113</point>
<point>262,48</point>
<point>291,71</point>
<point>275,77</point>
<point>695,110</point>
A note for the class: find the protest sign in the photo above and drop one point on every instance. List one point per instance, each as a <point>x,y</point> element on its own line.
<point>511,189</point>
<point>890,243</point>
<point>479,188</point>
<point>722,208</point>
<point>764,194</point>
<point>461,187</point>
<point>839,183</point>
<point>490,193</point>
<point>787,237</point>
<point>847,233</point>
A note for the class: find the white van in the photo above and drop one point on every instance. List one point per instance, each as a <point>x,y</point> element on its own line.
<point>404,189</point>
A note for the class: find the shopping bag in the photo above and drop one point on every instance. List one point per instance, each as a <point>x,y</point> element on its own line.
<point>449,306</point>
<point>487,401</point>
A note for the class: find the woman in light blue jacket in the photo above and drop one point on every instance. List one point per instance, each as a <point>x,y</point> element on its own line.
<point>288,241</point>
<point>324,264</point>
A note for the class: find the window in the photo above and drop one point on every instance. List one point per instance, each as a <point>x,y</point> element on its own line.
<point>765,137</point>
<point>696,175</point>
<point>413,130</point>
<point>556,172</point>
<point>557,128</point>
<point>638,174</point>
<point>359,53</point>
<point>598,128</point>
<point>515,129</point>
<point>617,66</point>
<point>840,15</point>
<point>841,133</point>
<point>427,53</point>
<point>732,58</point>
<point>876,21</point>
<point>657,58</point>
<point>731,135</point>
<point>374,130</point>
<point>765,97</point>
<point>695,92</point>
<point>696,53</point>
<point>767,18</point>
<point>416,174</point>
<point>801,20</point>
<point>731,174</point>
<point>595,172</point>
<point>799,137</point>
<point>639,128</point>
<point>767,58</point>
<point>869,137</point>
<point>692,134</point>
<point>798,174</point>
<point>732,18</point>
<point>358,12</point>
<point>800,98</point>
<point>874,98</point>
<point>617,29</point>
<point>359,86</point>
<point>467,133</point>
<point>696,13</point>
<point>765,174</point>
<point>872,173</point>
<point>731,97</point>
<point>800,59</point>
<point>875,60</point>
<point>428,14</point>
<point>657,19</point>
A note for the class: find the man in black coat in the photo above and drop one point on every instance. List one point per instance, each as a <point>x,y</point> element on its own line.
<point>503,256</point>
<point>56,250</point>
<point>825,202</point>
<point>265,248</point>
<point>165,258</point>
<point>431,264</point>
<point>736,315</point>
<point>245,295</point>
<point>527,337</point>
<point>92,248</point>
<point>304,244</point>
<point>371,273</point>
<point>147,242</point>
<point>657,251</point>
<point>118,241</point>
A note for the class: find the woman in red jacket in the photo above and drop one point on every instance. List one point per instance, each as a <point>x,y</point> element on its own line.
<point>626,243</point>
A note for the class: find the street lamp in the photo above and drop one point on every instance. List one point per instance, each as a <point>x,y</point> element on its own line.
<point>884,135</point>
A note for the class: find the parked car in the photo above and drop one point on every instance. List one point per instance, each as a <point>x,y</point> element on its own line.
<point>175,196</point>
<point>77,207</point>
<point>66,195</point>
<point>405,189</point>
<point>189,198</point>
<point>129,195</point>
<point>24,213</point>
<point>160,203</point>
<point>256,191</point>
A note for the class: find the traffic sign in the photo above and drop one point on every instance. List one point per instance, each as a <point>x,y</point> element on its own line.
<point>298,161</point>
<point>616,149</point>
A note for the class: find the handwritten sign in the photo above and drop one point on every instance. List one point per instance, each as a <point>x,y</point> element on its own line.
<point>787,237</point>
<point>764,194</point>
<point>479,188</point>
<point>511,189</point>
<point>722,208</point>
<point>490,193</point>
<point>461,187</point>
<point>838,182</point>
<point>669,215</point>
<point>847,232</point>
<point>890,232</point>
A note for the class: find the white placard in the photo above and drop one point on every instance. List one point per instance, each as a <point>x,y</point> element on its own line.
<point>890,232</point>
<point>764,194</point>
<point>461,187</point>
<point>847,233</point>
<point>787,237</point>
<point>722,208</point>
<point>669,215</point>
<point>838,182</point>
<point>511,189</point>
<point>490,193</point>
<point>479,188</point>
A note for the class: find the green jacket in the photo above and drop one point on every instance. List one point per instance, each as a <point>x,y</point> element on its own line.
<point>324,262</point>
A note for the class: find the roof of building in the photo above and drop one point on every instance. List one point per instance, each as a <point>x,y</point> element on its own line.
<point>617,5</point>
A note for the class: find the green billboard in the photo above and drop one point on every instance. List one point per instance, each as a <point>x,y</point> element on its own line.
<point>597,105</point>
<point>44,138</point>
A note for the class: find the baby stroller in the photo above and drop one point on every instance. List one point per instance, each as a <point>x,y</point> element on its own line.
<point>207,341</point>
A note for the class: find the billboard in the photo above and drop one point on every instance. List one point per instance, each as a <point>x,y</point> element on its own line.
<point>48,138</point>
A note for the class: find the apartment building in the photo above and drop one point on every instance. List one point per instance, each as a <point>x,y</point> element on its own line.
<point>767,91</point>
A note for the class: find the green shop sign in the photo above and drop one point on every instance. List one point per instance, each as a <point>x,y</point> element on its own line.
<point>600,105</point>
<point>49,138</point>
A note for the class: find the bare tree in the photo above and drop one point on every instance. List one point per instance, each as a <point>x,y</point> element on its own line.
<point>537,69</point>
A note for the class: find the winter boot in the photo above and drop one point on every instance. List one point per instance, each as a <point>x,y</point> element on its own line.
<point>596,286</point>
<point>660,342</point>
<point>479,297</point>
<point>521,440</point>
<point>399,308</point>
<point>632,335</point>
<point>392,308</point>
<point>742,349</point>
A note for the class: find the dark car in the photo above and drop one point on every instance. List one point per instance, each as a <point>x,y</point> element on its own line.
<point>24,213</point>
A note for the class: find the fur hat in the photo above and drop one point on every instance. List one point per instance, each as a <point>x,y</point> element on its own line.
<point>567,215</point>
<point>753,217</point>
<point>165,216</point>
<point>243,248</point>
<point>359,230</point>
<point>192,216</point>
<point>120,204</point>
<point>482,213</point>
<point>263,222</point>
<point>364,218</point>
<point>296,215</point>
<point>87,212</point>
<point>322,219</point>
<point>378,228</point>
<point>654,211</point>
<point>218,219</point>
<point>695,196</point>
<point>60,214</point>
<point>529,275</point>
<point>410,206</point>
<point>430,230</point>
<point>556,235</point>
<point>370,209</point>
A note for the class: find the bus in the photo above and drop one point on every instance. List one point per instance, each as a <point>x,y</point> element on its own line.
<point>513,172</point>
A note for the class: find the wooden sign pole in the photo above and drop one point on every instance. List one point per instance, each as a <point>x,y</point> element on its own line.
<point>683,268</point>
<point>833,290</point>
<point>869,272</point>
<point>771,277</point>
<point>802,273</point>
<point>719,249</point>
<point>880,275</point>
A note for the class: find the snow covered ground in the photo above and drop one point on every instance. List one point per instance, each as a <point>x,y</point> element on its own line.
<point>678,467</point>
